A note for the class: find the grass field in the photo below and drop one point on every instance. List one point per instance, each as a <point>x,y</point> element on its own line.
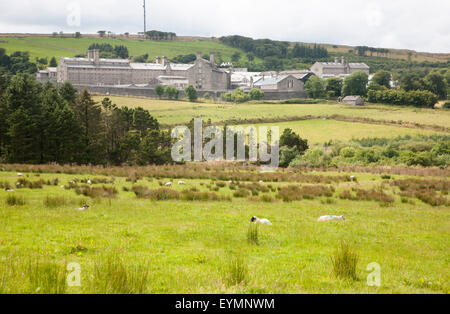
<point>321,131</point>
<point>187,246</point>
<point>66,47</point>
<point>170,112</point>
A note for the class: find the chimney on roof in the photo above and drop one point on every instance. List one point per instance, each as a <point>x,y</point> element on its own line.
<point>343,60</point>
<point>212,59</point>
<point>90,54</point>
<point>199,55</point>
<point>165,62</point>
<point>336,60</point>
<point>158,59</point>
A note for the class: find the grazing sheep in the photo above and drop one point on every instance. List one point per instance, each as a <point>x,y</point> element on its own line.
<point>85,207</point>
<point>261,181</point>
<point>331,218</point>
<point>168,184</point>
<point>9,190</point>
<point>258,221</point>
<point>181,183</point>
<point>89,182</point>
<point>20,174</point>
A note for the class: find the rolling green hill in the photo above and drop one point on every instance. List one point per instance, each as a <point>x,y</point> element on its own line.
<point>39,46</point>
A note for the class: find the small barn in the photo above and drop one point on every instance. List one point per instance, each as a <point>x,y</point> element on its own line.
<point>353,100</point>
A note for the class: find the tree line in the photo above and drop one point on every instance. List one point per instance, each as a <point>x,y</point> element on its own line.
<point>158,35</point>
<point>45,123</point>
<point>398,89</point>
<point>270,48</point>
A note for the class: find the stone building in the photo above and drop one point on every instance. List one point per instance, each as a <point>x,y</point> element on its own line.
<point>202,74</point>
<point>337,69</point>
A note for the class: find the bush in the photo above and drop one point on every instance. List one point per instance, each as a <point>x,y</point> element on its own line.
<point>171,92</point>
<point>256,94</point>
<point>417,98</point>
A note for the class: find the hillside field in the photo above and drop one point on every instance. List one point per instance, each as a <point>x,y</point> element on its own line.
<point>47,47</point>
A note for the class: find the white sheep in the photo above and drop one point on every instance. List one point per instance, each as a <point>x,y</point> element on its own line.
<point>331,218</point>
<point>181,183</point>
<point>85,207</point>
<point>168,184</point>
<point>89,182</point>
<point>9,190</point>
<point>258,221</point>
<point>20,174</point>
<point>261,181</point>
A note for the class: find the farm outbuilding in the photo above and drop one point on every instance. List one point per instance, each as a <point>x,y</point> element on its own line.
<point>353,100</point>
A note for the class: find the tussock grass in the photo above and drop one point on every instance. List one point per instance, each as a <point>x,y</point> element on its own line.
<point>26,184</point>
<point>96,192</point>
<point>425,190</point>
<point>295,193</point>
<point>15,200</point>
<point>376,194</point>
<point>345,262</point>
<point>235,271</point>
<point>56,201</point>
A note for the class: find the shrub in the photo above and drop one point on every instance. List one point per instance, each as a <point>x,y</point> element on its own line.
<point>345,262</point>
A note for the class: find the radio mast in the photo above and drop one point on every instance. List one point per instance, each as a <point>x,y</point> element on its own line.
<point>145,20</point>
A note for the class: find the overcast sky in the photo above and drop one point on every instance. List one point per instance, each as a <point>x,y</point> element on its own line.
<point>412,24</point>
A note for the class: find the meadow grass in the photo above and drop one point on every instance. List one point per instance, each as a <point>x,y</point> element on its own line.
<point>172,112</point>
<point>184,246</point>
